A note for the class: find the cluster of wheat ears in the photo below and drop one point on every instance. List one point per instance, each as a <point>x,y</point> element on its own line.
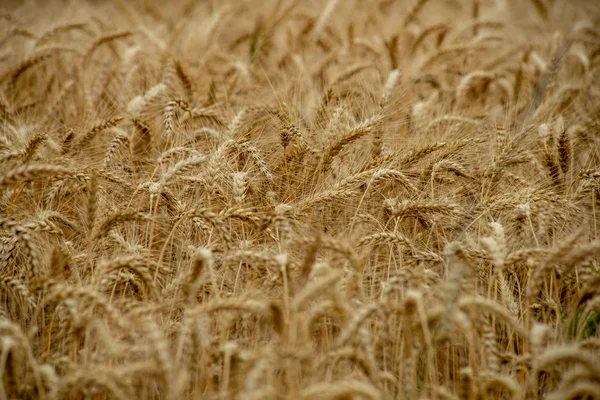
<point>300,199</point>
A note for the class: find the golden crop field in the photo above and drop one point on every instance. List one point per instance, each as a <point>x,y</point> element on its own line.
<point>300,199</point>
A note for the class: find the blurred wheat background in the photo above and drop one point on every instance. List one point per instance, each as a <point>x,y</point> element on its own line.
<point>300,199</point>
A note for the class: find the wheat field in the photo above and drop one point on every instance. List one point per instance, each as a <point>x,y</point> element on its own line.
<point>284,199</point>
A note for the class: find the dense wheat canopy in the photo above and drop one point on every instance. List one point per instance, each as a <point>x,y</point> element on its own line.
<point>300,199</point>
